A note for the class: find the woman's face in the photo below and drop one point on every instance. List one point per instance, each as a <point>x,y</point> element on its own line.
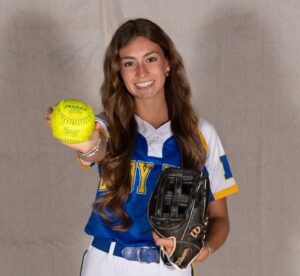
<point>143,68</point>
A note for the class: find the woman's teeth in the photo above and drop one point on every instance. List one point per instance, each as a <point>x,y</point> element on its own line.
<point>144,84</point>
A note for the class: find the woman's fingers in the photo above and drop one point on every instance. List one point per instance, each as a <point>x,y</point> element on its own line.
<point>202,255</point>
<point>47,120</point>
<point>82,147</point>
<point>89,144</point>
<point>168,244</point>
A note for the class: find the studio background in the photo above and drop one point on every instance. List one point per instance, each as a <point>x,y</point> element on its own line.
<point>243,63</point>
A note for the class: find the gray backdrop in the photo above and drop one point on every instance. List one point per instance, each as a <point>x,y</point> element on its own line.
<point>243,62</point>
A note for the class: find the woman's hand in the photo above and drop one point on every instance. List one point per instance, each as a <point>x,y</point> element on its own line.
<point>81,147</point>
<point>216,235</point>
<point>202,255</point>
<point>168,245</point>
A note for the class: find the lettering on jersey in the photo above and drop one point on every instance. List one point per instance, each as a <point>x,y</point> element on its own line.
<point>144,169</point>
<point>132,173</point>
<point>102,185</point>
<point>226,167</point>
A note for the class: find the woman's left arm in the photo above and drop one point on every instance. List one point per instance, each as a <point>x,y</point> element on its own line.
<point>218,228</point>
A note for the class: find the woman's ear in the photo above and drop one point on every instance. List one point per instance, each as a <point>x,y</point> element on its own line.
<point>168,68</point>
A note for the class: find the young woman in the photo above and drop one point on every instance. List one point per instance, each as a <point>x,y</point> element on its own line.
<point>147,124</point>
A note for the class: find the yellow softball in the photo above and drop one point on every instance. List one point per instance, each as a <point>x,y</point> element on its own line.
<point>72,121</point>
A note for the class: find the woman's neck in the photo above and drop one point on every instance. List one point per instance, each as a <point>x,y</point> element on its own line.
<point>155,114</point>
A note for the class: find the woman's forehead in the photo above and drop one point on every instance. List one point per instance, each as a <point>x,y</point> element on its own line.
<point>139,46</point>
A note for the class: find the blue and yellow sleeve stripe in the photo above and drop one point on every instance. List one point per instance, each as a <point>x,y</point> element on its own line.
<point>225,192</point>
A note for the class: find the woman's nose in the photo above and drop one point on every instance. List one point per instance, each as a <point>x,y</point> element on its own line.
<point>141,70</point>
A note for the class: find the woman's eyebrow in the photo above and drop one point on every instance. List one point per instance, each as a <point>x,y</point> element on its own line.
<point>145,55</point>
<point>127,57</point>
<point>150,53</point>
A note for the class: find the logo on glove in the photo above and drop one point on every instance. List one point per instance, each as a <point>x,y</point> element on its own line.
<point>185,253</point>
<point>195,232</point>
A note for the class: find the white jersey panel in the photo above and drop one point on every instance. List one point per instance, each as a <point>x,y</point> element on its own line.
<point>221,180</point>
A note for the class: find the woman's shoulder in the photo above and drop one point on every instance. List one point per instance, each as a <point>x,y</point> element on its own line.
<point>207,129</point>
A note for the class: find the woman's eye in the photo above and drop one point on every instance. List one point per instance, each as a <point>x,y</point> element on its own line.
<point>128,64</point>
<point>151,59</point>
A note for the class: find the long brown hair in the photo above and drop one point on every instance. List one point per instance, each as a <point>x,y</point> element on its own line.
<point>119,112</point>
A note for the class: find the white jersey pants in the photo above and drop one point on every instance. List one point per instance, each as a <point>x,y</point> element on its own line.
<point>100,263</point>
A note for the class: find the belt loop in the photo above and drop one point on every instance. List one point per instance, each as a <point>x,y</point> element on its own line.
<point>111,250</point>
